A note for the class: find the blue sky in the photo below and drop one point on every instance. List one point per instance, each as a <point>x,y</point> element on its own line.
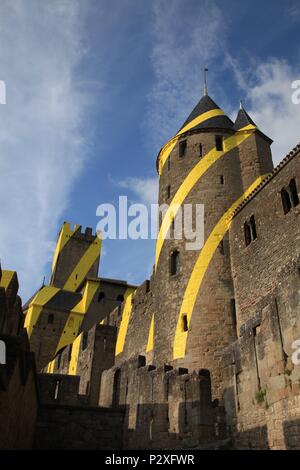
<point>96,87</point>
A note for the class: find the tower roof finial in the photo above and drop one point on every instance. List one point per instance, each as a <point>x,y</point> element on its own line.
<point>241,104</point>
<point>205,83</point>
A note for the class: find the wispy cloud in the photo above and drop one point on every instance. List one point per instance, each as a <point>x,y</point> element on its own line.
<point>268,91</point>
<point>41,138</point>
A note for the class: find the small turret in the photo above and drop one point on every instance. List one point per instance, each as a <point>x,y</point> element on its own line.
<point>255,151</point>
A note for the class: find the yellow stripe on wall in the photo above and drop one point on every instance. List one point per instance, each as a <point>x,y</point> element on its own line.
<point>36,306</point>
<point>125,320</point>
<point>84,265</point>
<point>74,356</point>
<point>150,342</point>
<point>192,178</point>
<point>199,271</point>
<point>168,147</point>
<point>77,314</point>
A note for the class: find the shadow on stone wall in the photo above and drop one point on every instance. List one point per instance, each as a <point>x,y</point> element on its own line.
<point>291,431</point>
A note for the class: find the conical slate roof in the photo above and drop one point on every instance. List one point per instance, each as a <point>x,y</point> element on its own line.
<point>243,119</point>
<point>206,104</point>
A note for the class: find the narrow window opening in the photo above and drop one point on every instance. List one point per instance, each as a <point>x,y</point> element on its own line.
<point>286,202</point>
<point>247,233</point>
<point>182,148</point>
<point>58,360</point>
<point>120,298</point>
<point>221,247</point>
<point>233,315</point>
<point>168,191</point>
<point>238,389</point>
<point>50,319</point>
<point>253,228</point>
<point>184,323</point>
<point>169,163</point>
<point>222,181</point>
<point>101,296</point>
<point>147,286</point>
<point>70,352</point>
<point>174,265</point>
<point>294,193</point>
<point>76,277</point>
<point>219,143</point>
<point>200,151</point>
<point>56,390</point>
<point>87,388</point>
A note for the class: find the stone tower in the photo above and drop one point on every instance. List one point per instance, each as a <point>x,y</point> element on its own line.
<point>76,257</point>
<point>214,162</point>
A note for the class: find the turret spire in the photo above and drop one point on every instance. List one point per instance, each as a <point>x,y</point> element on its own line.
<point>205,83</point>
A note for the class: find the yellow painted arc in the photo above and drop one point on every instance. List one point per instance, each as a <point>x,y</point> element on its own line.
<point>83,266</point>
<point>74,356</point>
<point>76,316</point>
<point>192,178</point>
<point>168,147</point>
<point>150,342</point>
<point>6,278</point>
<point>199,270</point>
<point>42,297</point>
<point>125,320</point>
<point>64,236</point>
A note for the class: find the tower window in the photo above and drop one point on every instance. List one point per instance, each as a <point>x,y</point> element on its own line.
<point>174,263</point>
<point>222,180</point>
<point>294,193</point>
<point>286,202</point>
<point>250,230</point>
<point>169,163</point>
<point>233,314</point>
<point>59,359</point>
<point>200,150</point>
<point>70,352</point>
<point>84,340</point>
<point>253,228</point>
<point>289,196</point>
<point>182,148</point>
<point>219,143</point>
<point>168,191</point>
<point>50,319</point>
<point>101,296</point>
<point>120,298</point>
<point>184,323</point>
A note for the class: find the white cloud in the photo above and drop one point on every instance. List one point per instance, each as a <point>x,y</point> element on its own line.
<point>268,91</point>
<point>185,40</point>
<point>41,141</point>
<point>146,189</point>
